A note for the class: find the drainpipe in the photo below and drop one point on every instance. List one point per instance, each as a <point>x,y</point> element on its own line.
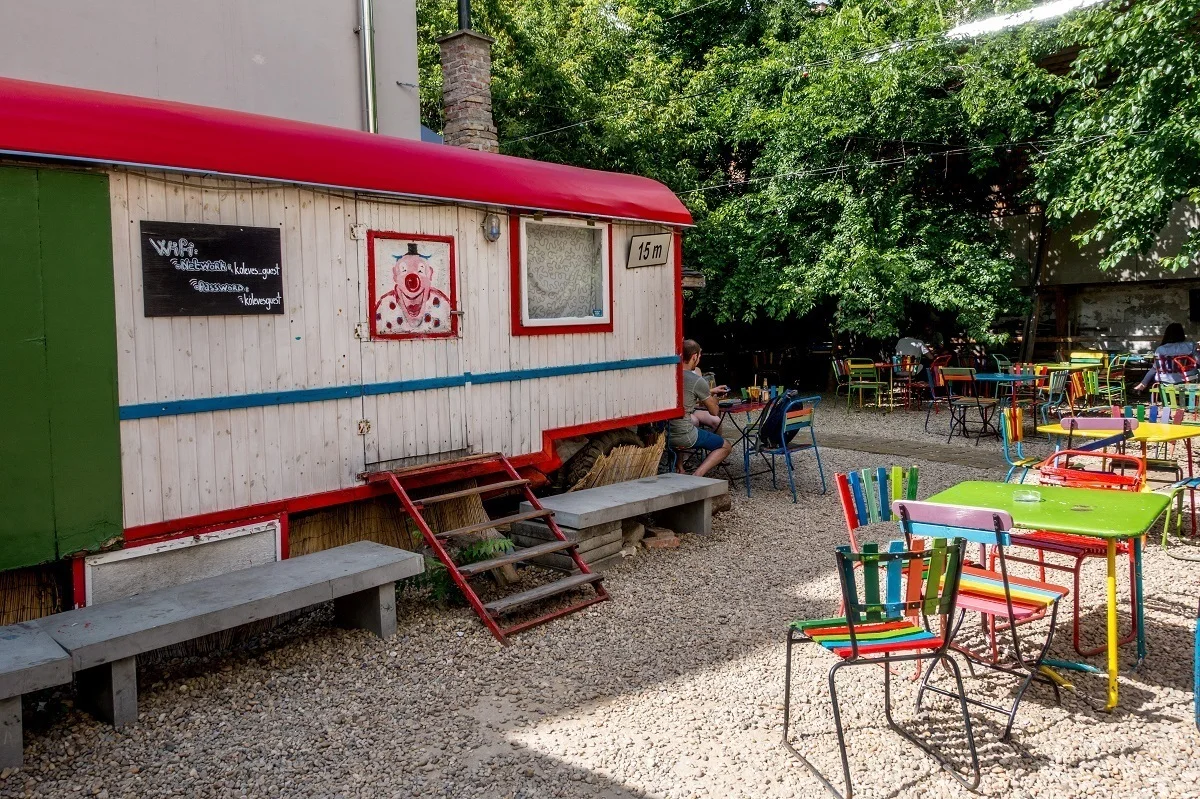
<point>366,42</point>
<point>464,15</point>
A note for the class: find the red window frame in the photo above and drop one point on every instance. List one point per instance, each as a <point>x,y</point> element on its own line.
<point>517,289</point>
<point>452,330</point>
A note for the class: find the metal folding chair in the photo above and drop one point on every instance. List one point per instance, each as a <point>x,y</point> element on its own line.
<point>1005,602</point>
<point>921,592</point>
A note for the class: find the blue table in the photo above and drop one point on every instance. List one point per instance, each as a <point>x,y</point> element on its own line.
<point>1006,379</point>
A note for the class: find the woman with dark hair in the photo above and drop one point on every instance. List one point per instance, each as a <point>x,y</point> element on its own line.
<point>1174,359</point>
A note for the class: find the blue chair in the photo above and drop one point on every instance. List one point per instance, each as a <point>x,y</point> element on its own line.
<point>1054,396</point>
<point>795,419</point>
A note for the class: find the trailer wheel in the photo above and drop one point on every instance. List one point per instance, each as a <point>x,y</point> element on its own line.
<point>582,461</point>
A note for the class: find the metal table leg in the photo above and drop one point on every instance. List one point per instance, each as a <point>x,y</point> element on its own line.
<point>1113,634</point>
<point>1137,601</point>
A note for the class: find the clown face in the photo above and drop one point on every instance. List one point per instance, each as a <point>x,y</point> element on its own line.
<point>413,305</point>
<point>413,278</point>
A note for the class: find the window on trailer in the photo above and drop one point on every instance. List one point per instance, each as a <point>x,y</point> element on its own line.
<point>565,277</point>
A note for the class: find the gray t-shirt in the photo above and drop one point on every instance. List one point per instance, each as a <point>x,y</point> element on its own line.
<point>681,432</point>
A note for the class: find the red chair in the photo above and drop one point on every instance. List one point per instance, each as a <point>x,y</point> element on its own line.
<point>1186,364</point>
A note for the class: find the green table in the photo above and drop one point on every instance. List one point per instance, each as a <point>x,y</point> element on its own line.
<point>1111,515</point>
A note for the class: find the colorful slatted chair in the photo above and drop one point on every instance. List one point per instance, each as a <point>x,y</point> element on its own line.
<point>1156,414</point>
<point>1196,670</point>
<point>863,378</point>
<point>1053,396</point>
<point>796,420</point>
<point>1065,468</point>
<point>937,387</point>
<point>921,588</point>
<point>1176,491</point>
<point>964,397</point>
<point>1012,437</point>
<point>1005,602</point>
<point>1003,364</point>
<point>906,372</point>
<point>1180,397</point>
<point>867,495</point>
<point>1111,389</point>
<point>1029,393</point>
<point>841,376</point>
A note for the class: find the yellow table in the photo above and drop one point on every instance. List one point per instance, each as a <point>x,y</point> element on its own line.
<point>1147,433</point>
<point>1068,367</point>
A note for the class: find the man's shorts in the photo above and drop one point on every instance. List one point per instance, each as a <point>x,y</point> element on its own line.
<point>706,439</point>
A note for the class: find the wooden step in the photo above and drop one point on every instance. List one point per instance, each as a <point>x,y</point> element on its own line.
<point>490,523</point>
<point>509,603</point>
<point>470,492</point>
<point>517,555</point>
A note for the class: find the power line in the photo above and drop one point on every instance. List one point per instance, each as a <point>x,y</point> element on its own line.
<point>863,55</point>
<point>599,117</point>
<point>690,10</point>
<point>902,159</point>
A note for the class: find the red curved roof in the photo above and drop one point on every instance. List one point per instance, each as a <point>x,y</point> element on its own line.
<point>79,124</point>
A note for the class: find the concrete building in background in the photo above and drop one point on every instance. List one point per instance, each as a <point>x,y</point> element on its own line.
<point>298,59</point>
<point>1079,306</point>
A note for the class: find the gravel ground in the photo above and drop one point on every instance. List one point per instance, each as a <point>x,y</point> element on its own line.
<point>674,689</point>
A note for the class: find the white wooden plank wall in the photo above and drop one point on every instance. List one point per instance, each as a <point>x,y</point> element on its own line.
<point>176,466</point>
<point>409,423</point>
<point>644,314</point>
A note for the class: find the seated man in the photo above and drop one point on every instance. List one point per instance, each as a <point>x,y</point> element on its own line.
<point>682,433</point>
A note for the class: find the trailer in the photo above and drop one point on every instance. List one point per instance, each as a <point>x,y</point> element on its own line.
<point>214,320</point>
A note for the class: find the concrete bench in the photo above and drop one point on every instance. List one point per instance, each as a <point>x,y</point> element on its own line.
<point>30,660</point>
<point>592,517</point>
<point>103,641</point>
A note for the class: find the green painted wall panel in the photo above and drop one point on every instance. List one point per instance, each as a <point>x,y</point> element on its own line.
<point>26,493</point>
<point>81,352</point>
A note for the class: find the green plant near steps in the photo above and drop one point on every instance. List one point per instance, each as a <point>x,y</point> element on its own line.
<point>436,579</point>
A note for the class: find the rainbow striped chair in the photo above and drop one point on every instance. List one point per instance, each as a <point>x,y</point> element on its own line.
<point>1004,601</point>
<point>796,419</point>
<point>1012,436</point>
<point>921,588</point>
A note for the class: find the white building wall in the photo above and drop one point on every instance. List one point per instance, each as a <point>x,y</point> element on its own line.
<point>297,59</point>
<point>179,465</point>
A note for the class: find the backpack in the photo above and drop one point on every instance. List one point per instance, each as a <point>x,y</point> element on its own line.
<point>768,431</point>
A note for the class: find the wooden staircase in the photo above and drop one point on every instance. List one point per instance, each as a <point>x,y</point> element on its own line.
<point>492,613</point>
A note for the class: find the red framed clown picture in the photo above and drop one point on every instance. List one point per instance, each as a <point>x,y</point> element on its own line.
<point>413,291</point>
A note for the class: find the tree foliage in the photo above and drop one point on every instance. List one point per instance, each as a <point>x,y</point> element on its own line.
<point>1129,127</point>
<point>849,160</point>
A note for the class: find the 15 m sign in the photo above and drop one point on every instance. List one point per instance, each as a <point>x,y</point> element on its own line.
<point>651,250</point>
<point>210,270</point>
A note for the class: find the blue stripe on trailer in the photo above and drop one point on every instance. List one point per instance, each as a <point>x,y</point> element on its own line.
<point>150,410</point>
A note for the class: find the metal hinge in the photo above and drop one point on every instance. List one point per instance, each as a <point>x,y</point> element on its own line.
<point>358,232</point>
<point>360,331</point>
<point>364,426</point>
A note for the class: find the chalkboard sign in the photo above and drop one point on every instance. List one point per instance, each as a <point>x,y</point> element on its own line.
<point>211,270</point>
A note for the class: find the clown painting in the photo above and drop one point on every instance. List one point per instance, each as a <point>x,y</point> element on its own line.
<point>412,285</point>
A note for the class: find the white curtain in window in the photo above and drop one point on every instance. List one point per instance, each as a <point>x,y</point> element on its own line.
<point>564,271</point>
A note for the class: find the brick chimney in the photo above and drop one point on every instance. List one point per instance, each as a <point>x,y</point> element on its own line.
<point>467,91</point>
